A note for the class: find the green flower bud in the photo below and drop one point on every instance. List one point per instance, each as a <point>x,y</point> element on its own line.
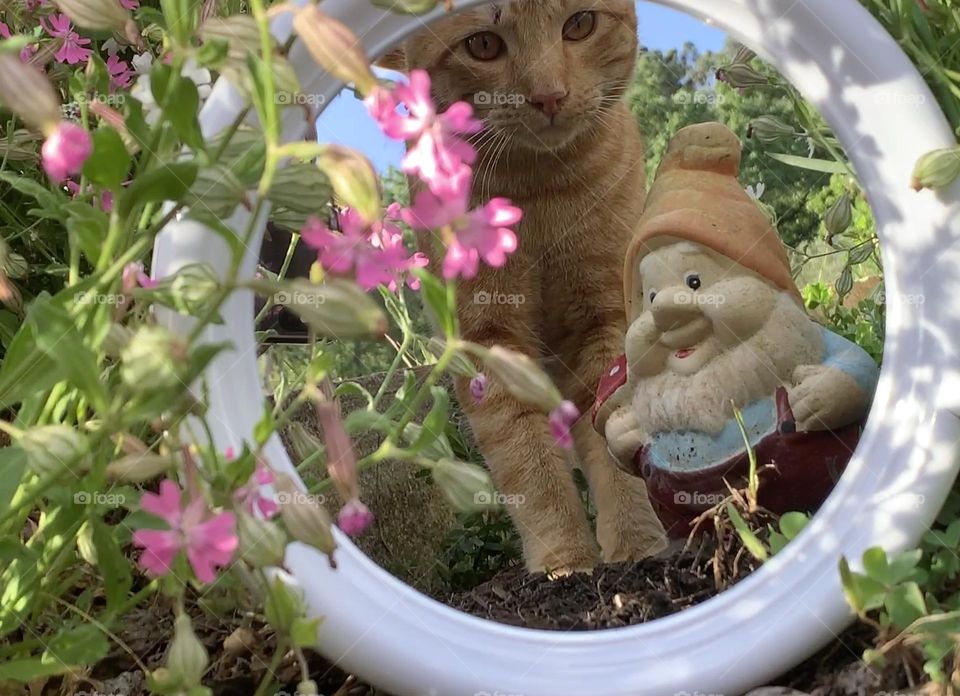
<point>117,338</point>
<point>839,217</point>
<point>467,487</point>
<point>305,519</point>
<point>137,468</point>
<point>216,191</point>
<point>459,365</point>
<point>769,129</point>
<point>439,448</point>
<point>262,543</point>
<point>937,168</point>
<point>240,32</point>
<point>27,92</point>
<point>303,443</point>
<point>191,290</point>
<point>154,359</point>
<point>52,449</point>
<point>95,14</point>
<point>741,75</point>
<point>15,266</point>
<point>186,658</point>
<point>521,376</point>
<point>744,55</point>
<point>414,7</point>
<point>335,309</point>
<point>353,178</point>
<point>335,48</point>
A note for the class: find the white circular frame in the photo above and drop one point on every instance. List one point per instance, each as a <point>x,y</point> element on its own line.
<point>885,116</point>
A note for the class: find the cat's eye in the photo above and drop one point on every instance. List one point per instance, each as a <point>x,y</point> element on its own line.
<point>579,26</point>
<point>484,45</point>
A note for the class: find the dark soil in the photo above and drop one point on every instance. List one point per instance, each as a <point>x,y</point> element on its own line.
<point>612,596</point>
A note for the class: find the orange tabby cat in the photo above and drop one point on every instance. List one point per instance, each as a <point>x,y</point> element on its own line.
<point>547,77</point>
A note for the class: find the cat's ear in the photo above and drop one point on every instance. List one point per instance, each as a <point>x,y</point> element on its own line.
<point>394,59</point>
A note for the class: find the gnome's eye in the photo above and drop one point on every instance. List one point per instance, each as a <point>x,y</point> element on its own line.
<point>693,281</point>
<point>653,293</point>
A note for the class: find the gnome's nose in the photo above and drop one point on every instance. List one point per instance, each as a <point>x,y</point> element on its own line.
<point>673,309</point>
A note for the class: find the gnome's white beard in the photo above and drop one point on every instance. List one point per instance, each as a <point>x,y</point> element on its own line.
<point>744,373</point>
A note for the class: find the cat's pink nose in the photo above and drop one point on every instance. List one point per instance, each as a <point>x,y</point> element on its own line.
<point>549,104</point>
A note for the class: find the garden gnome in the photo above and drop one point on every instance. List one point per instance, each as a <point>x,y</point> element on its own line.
<point>715,320</point>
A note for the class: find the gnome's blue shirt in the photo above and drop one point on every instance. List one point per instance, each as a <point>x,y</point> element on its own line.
<point>689,450</point>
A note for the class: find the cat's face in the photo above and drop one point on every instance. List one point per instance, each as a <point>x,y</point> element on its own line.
<point>540,72</point>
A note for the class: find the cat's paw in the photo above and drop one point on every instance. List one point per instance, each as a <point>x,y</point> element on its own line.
<point>560,563</point>
<point>627,527</point>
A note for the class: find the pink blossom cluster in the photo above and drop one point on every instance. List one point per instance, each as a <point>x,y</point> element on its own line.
<point>440,157</point>
<point>373,252</point>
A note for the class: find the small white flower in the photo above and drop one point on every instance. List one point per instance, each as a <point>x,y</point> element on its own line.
<point>141,63</point>
<point>142,93</point>
<point>756,191</point>
<point>109,47</point>
<point>200,77</point>
<point>811,147</point>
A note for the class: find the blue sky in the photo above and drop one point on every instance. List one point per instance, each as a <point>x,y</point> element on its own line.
<point>346,121</point>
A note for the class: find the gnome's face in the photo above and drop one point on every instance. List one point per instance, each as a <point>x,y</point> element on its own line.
<point>709,330</point>
<point>696,304</point>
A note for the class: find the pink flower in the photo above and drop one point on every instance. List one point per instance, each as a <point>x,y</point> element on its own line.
<point>130,4</point>
<point>251,496</point>
<point>65,151</point>
<point>478,387</point>
<point>479,234</point>
<point>561,420</point>
<point>134,276</point>
<point>375,253</point>
<point>438,155</point>
<point>73,48</point>
<point>354,518</point>
<point>120,73</point>
<point>208,540</point>
<point>106,197</point>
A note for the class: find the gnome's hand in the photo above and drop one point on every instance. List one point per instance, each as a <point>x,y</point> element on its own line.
<point>645,355</point>
<point>624,436</point>
<point>825,398</point>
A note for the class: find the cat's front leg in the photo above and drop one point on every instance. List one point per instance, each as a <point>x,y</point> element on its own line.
<point>533,475</point>
<point>525,463</point>
<point>627,527</point>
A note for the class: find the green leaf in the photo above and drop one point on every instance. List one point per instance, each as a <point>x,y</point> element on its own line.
<point>75,647</point>
<point>51,202</point>
<point>817,165</point>
<point>362,419</point>
<point>750,540</point>
<point>875,564</point>
<point>434,294</point>
<point>9,325</point>
<point>169,182</point>
<point>303,632</point>
<point>264,427</point>
<point>13,464</point>
<point>113,565</point>
<point>109,162</point>
<point>904,566</point>
<point>905,605</point>
<point>57,336</point>
<point>792,523</point>
<point>354,388</point>
<point>436,420</point>
<point>180,101</point>
<point>28,670</point>
<point>25,370</point>
<point>850,588</point>
<point>87,227</point>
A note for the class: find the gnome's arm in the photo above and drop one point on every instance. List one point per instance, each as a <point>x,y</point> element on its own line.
<point>836,392</point>
<point>613,415</point>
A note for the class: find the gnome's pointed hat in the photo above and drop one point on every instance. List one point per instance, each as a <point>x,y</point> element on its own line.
<point>696,197</point>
